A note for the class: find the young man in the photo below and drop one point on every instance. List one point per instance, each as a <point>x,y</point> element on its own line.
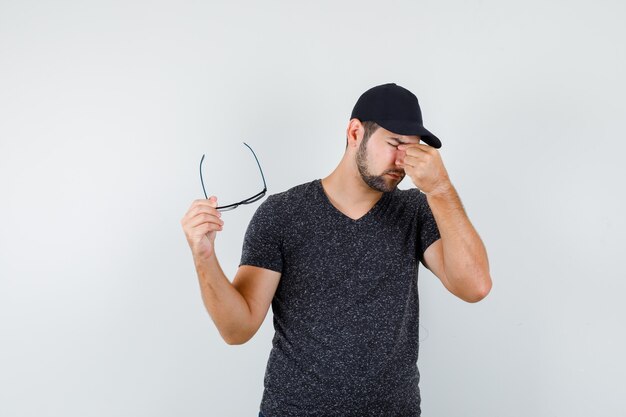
<point>338,258</point>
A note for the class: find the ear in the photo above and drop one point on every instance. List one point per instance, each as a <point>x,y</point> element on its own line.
<point>354,133</point>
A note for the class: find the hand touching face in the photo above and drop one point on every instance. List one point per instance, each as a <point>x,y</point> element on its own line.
<point>424,165</point>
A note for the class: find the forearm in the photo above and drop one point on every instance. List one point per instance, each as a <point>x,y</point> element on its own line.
<point>464,255</point>
<point>226,306</point>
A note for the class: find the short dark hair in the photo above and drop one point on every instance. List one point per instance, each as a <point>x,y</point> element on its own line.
<point>369,127</point>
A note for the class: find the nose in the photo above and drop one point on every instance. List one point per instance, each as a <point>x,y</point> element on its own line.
<point>400,154</point>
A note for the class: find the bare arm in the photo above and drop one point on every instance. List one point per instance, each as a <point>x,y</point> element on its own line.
<point>226,306</point>
<point>459,258</point>
<point>239,308</point>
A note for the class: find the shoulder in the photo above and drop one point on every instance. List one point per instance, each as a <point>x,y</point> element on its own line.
<point>410,198</point>
<point>294,194</point>
<point>288,200</point>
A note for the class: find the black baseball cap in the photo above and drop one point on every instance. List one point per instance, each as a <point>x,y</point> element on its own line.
<point>394,108</point>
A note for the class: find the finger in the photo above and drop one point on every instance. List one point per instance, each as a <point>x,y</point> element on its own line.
<point>406,160</point>
<point>204,228</point>
<point>204,218</point>
<point>416,152</point>
<point>199,210</point>
<point>404,164</point>
<point>204,208</point>
<point>411,161</point>
<point>213,201</point>
<point>204,200</point>
<point>199,205</point>
<point>416,146</point>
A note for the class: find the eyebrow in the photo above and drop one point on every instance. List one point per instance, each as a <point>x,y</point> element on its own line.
<point>400,140</point>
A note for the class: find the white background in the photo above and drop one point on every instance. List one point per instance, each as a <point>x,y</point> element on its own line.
<point>107,107</point>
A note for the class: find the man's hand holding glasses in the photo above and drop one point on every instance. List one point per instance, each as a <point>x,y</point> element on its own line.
<point>203,219</point>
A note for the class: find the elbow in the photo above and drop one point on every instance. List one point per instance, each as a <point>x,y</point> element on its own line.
<point>233,341</point>
<point>481,291</point>
<point>237,339</point>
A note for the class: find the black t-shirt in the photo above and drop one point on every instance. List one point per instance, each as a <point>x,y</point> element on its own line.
<point>346,310</point>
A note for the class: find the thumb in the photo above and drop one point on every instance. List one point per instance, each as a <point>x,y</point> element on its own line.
<point>213,201</point>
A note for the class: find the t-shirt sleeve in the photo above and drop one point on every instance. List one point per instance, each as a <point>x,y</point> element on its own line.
<point>428,230</point>
<point>262,243</point>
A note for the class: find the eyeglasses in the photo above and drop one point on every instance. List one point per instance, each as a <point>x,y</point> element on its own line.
<point>252,199</point>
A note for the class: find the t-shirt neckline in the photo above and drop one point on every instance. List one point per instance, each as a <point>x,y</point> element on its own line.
<point>375,208</point>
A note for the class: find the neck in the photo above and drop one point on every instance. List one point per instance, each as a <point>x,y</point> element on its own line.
<point>346,189</point>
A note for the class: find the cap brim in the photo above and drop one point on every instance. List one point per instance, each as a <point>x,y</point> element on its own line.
<point>403,127</point>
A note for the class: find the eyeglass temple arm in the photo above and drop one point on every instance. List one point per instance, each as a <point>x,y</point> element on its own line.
<point>259,165</point>
<point>201,180</point>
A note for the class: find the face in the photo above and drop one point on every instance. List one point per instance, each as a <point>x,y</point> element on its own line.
<point>376,159</point>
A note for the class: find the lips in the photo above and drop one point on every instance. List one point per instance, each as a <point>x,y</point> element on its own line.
<point>393,175</point>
